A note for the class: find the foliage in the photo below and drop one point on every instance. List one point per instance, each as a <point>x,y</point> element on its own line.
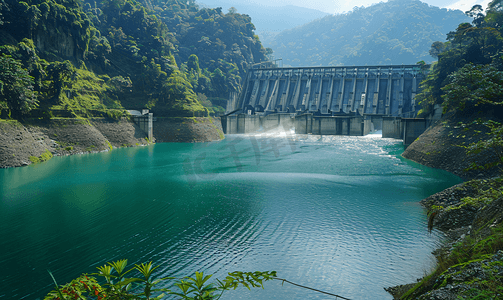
<point>60,74</point>
<point>16,86</point>
<point>473,85</point>
<point>469,63</point>
<point>118,286</point>
<point>49,20</point>
<point>78,288</point>
<point>135,47</point>
<point>45,156</point>
<point>493,143</point>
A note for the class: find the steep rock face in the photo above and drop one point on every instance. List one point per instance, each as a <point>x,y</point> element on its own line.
<point>120,133</point>
<point>188,130</point>
<point>54,40</point>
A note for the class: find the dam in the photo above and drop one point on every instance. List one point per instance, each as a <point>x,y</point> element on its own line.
<point>342,100</point>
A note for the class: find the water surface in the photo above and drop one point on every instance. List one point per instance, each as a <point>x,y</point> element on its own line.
<point>335,213</point>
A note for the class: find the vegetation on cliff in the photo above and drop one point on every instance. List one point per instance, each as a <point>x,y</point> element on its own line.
<point>80,56</point>
<point>468,75</point>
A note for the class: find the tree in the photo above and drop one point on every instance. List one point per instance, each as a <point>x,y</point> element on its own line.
<point>16,86</point>
<point>233,10</point>
<point>2,5</point>
<point>493,143</point>
<point>473,85</point>
<point>193,64</point>
<point>59,73</point>
<point>436,49</point>
<point>218,81</point>
<point>476,12</point>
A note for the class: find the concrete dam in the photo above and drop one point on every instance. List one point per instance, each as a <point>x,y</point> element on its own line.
<point>324,100</point>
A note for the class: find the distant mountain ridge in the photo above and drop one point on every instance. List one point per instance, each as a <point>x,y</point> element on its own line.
<point>395,32</point>
<point>270,20</point>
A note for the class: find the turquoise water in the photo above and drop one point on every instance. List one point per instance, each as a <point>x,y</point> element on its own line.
<point>339,214</point>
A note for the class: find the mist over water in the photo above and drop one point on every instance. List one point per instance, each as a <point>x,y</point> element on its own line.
<point>335,213</point>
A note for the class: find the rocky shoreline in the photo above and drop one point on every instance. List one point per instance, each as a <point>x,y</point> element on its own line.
<point>470,214</point>
<point>442,146</point>
<point>22,144</point>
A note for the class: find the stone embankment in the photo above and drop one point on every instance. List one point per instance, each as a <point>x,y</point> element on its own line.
<point>22,144</point>
<point>188,130</point>
<point>470,262</point>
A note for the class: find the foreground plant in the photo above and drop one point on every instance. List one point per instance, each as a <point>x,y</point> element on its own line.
<point>118,286</point>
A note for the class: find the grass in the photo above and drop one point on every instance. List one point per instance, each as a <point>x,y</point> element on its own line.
<point>11,122</point>
<point>45,156</point>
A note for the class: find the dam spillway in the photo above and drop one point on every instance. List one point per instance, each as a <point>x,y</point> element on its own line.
<point>385,90</point>
<point>349,94</point>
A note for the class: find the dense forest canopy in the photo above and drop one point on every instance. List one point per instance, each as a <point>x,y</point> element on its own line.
<point>395,32</point>
<point>82,55</point>
<point>469,73</point>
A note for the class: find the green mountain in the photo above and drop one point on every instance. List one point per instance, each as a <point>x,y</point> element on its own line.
<point>395,32</point>
<point>83,56</point>
<point>271,18</point>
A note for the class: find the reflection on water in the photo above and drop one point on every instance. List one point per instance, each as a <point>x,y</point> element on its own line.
<point>336,213</point>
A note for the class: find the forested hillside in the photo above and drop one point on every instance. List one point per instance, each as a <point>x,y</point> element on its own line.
<point>269,19</point>
<point>83,57</point>
<point>395,32</point>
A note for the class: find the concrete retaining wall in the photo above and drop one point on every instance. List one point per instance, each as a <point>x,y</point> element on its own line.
<point>244,123</point>
<point>392,127</point>
<point>412,129</point>
<point>355,126</point>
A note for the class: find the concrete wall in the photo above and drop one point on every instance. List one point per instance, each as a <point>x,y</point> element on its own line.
<point>392,128</point>
<point>251,124</point>
<point>376,121</point>
<point>303,124</point>
<point>413,128</point>
<point>270,122</point>
<point>286,121</point>
<point>367,126</point>
<point>232,124</point>
<point>145,122</point>
<point>356,126</point>
<point>244,123</point>
<point>327,125</point>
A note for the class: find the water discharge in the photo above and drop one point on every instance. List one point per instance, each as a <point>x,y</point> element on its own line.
<point>336,213</point>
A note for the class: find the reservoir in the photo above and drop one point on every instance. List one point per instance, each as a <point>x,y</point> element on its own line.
<point>335,213</point>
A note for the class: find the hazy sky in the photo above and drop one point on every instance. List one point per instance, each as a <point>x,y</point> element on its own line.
<point>339,6</point>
